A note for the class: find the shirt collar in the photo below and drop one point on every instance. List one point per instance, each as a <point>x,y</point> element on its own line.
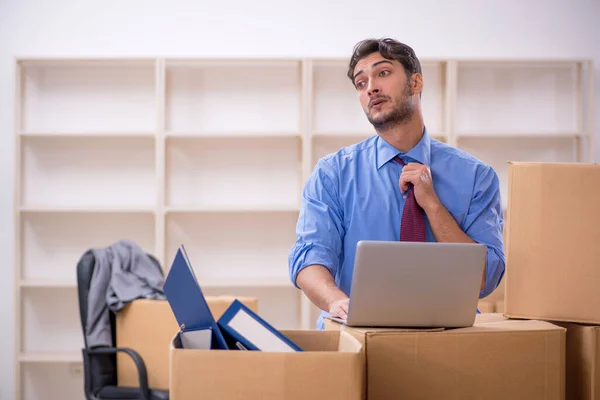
<point>420,153</point>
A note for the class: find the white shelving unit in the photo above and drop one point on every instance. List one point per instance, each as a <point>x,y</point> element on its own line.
<point>213,154</point>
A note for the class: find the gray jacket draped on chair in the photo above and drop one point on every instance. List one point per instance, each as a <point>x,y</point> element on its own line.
<point>122,273</point>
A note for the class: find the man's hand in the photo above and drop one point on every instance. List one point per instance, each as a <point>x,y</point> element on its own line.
<point>420,176</point>
<point>339,308</point>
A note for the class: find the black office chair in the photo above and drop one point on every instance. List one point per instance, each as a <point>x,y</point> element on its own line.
<point>100,363</point>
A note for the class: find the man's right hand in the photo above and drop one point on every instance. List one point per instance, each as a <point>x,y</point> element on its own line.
<point>339,308</point>
<point>319,286</point>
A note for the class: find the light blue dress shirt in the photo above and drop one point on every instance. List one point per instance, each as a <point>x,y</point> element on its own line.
<point>353,194</point>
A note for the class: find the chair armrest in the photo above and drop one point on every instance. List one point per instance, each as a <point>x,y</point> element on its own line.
<point>137,359</point>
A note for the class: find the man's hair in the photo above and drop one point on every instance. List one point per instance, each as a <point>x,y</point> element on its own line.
<point>388,48</point>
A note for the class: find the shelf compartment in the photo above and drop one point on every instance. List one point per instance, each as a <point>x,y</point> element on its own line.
<point>516,97</point>
<point>324,145</point>
<point>71,97</point>
<point>228,173</point>
<point>337,107</point>
<point>51,322</point>
<point>498,152</point>
<point>229,97</point>
<point>52,381</point>
<point>53,243</point>
<point>278,306</point>
<point>88,172</point>
<point>234,247</point>
<point>433,96</point>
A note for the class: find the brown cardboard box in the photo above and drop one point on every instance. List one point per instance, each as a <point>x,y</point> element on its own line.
<point>496,358</point>
<point>148,326</point>
<point>499,307</point>
<point>497,294</point>
<point>552,242</point>
<point>489,317</point>
<point>583,361</point>
<point>485,306</point>
<point>330,367</point>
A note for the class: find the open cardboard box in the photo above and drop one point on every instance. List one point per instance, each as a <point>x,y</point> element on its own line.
<point>147,326</point>
<point>331,366</point>
<point>496,358</point>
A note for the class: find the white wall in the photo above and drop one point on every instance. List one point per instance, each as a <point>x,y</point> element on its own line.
<point>460,28</point>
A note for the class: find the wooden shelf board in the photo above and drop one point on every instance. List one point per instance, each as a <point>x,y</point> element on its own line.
<point>524,135</point>
<point>88,61</point>
<point>51,357</point>
<point>236,209</point>
<point>240,282</point>
<point>89,134</point>
<point>85,209</point>
<point>290,62</point>
<point>47,284</point>
<point>232,135</point>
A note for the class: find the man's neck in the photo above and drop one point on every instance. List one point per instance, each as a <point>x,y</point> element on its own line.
<point>404,136</point>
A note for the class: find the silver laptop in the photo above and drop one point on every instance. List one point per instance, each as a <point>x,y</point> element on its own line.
<point>415,284</point>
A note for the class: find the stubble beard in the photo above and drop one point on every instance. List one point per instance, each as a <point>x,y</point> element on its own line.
<point>401,114</point>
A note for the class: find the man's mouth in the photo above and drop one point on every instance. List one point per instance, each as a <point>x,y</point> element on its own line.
<point>377,102</point>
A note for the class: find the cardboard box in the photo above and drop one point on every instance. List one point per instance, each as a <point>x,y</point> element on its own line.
<point>552,242</point>
<point>499,307</point>
<point>147,326</point>
<point>485,306</point>
<point>497,294</point>
<point>332,367</point>
<point>489,317</point>
<point>583,361</point>
<point>497,358</point>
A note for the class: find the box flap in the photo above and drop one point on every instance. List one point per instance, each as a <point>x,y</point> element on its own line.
<point>489,317</point>
<point>374,330</point>
<point>508,325</point>
<point>319,340</point>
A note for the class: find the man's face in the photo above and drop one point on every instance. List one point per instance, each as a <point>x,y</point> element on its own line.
<point>385,92</point>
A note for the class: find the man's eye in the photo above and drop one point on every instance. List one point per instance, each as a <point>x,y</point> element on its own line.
<point>360,84</point>
<point>384,73</point>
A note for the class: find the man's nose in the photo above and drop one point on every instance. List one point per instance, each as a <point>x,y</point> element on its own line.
<point>373,90</point>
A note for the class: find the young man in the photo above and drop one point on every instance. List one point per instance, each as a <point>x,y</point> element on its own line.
<point>400,184</point>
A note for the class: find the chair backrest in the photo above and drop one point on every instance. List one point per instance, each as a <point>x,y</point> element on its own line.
<point>102,368</point>
<point>85,270</point>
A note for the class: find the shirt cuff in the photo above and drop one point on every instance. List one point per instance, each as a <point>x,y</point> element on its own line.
<point>495,267</point>
<point>307,254</point>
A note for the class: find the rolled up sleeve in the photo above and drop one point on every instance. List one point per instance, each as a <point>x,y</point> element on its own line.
<point>484,223</point>
<point>319,230</point>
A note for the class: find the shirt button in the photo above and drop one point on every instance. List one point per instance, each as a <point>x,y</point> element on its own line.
<point>404,197</point>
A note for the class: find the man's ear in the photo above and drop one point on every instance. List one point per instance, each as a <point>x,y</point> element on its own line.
<point>417,83</point>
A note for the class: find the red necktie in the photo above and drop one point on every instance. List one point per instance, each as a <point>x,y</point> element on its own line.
<point>413,217</point>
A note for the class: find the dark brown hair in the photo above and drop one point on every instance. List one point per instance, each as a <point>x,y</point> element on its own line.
<point>388,48</point>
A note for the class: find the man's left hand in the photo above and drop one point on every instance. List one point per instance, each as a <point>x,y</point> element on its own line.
<point>420,177</point>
